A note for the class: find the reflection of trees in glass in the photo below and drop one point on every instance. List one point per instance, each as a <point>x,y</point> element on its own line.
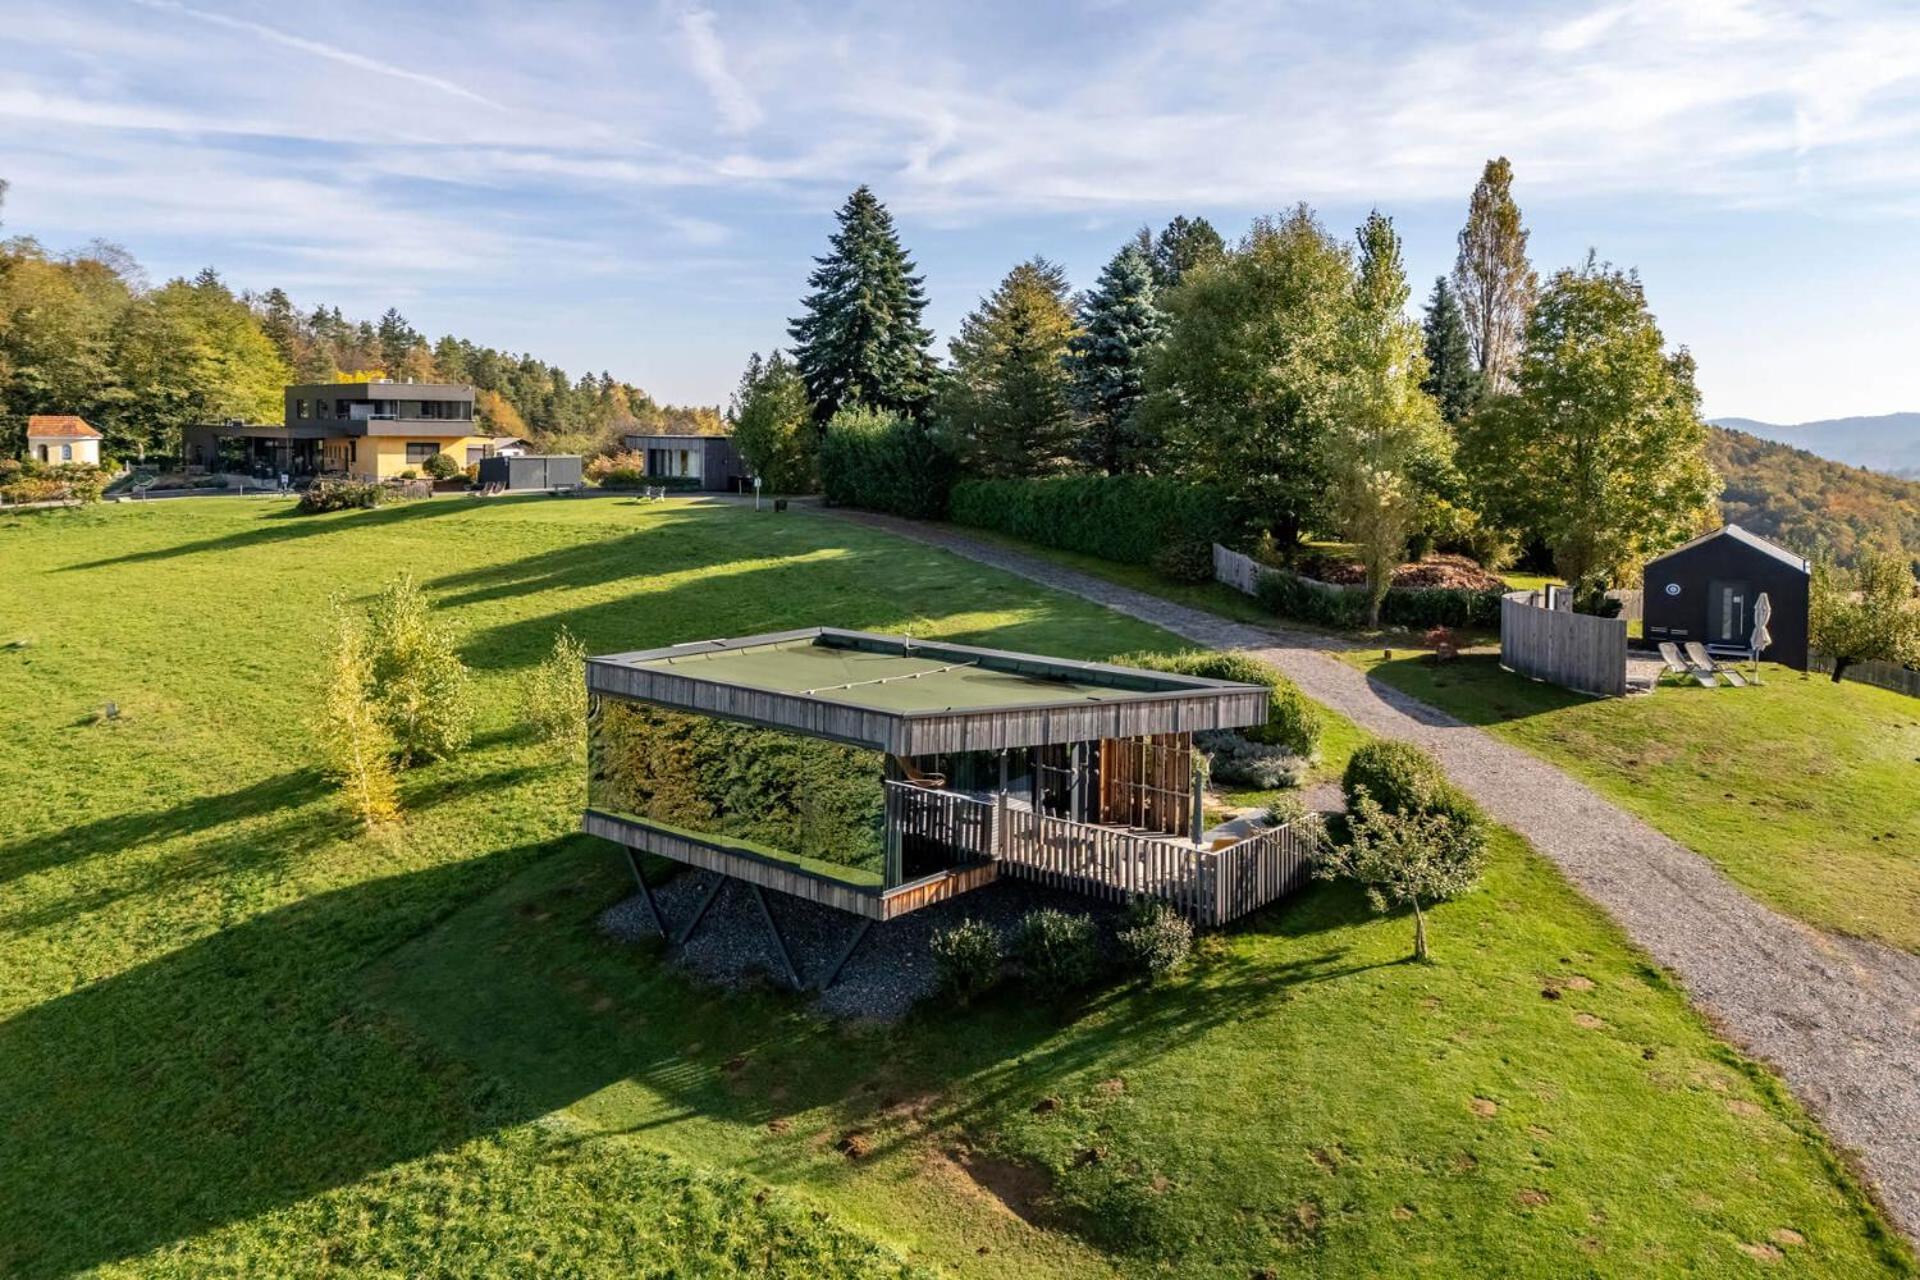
<point>768,787</point>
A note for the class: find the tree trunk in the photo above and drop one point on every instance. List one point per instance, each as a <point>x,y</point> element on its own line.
<point>1419,932</point>
<point>1840,666</point>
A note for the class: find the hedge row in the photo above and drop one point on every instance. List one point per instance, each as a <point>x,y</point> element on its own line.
<point>1134,519</point>
<point>884,463</point>
<point>1291,596</point>
<point>1293,721</point>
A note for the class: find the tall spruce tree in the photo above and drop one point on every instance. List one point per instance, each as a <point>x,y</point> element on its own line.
<point>861,338</point>
<point>1452,380</point>
<point>1004,407</point>
<point>1120,324</point>
<point>1495,281</point>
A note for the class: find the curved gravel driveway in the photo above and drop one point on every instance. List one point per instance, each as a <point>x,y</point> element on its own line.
<point>1839,1018</point>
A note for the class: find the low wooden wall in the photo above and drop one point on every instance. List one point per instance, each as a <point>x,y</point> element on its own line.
<point>1573,650</point>
<point>1209,886</point>
<point>1242,573</point>
<point>1882,675</point>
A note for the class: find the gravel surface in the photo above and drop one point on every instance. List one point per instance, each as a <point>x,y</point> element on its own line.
<point>1839,1018</point>
<point>892,969</point>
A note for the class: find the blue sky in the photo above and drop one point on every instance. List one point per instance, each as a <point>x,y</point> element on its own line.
<point>640,187</point>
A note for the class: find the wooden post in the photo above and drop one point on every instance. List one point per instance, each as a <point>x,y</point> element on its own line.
<point>1199,806</point>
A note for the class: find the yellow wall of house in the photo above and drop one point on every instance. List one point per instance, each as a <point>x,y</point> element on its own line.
<point>385,457</point>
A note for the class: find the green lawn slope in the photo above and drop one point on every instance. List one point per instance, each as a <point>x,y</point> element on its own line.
<point>238,1037</point>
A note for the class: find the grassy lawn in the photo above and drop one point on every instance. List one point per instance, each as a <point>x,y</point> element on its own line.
<point>237,1037</point>
<point>1802,790</point>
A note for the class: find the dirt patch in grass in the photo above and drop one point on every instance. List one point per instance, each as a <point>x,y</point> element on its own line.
<point>1762,1252</point>
<point>1483,1107</point>
<point>1025,1189</point>
<point>1533,1197</point>
<point>1589,1021</point>
<point>1787,1236</point>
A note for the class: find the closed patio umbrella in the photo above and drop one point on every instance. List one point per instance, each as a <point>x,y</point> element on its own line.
<point>1762,612</point>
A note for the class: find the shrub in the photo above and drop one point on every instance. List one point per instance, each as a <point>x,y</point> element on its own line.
<point>64,482</point>
<point>1402,780</point>
<point>442,466</point>
<point>335,494</point>
<point>884,462</point>
<point>1240,761</point>
<point>472,473</point>
<point>1056,950</point>
<point>353,735</point>
<point>424,689</point>
<point>968,959</point>
<point>409,474</point>
<point>623,478</point>
<point>1185,561</point>
<point>1156,939</point>
<point>1131,519</point>
<point>1293,722</point>
<point>599,468</point>
<point>553,694</point>
<point>1288,595</point>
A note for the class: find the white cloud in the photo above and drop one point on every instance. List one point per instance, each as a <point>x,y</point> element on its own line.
<point>738,110</point>
<point>334,53</point>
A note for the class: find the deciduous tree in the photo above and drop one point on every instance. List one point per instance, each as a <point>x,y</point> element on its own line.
<point>423,688</point>
<point>1385,441</point>
<point>1405,859</point>
<point>1870,614</point>
<point>353,734</point>
<point>773,425</point>
<point>1600,451</point>
<point>1492,276</point>
<point>1120,325</point>
<point>1246,383</point>
<point>860,338</point>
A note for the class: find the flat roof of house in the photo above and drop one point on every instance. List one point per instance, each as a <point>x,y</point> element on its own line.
<point>916,697</point>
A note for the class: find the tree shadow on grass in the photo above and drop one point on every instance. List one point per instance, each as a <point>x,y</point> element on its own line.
<point>289,525</point>
<point>1473,689</point>
<point>234,1075</point>
<point>64,846</point>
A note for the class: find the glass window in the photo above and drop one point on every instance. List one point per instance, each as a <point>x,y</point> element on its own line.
<point>300,408</point>
<point>66,453</point>
<point>418,452</point>
<point>475,454</point>
<point>769,793</point>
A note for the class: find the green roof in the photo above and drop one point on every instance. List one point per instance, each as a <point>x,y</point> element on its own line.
<point>935,681</point>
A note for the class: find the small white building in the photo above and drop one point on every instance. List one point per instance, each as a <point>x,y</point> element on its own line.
<point>54,438</point>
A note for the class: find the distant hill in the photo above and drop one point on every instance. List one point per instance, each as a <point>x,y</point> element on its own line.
<point>1889,442</point>
<point>1813,505</point>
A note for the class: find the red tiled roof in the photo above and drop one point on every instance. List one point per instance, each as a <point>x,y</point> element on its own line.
<point>48,425</point>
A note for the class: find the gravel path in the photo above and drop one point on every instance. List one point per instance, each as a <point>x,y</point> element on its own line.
<point>1839,1018</point>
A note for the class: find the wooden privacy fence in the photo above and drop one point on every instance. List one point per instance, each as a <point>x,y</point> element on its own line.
<point>1242,573</point>
<point>1208,886</point>
<point>1573,650</point>
<point>1884,675</point>
<point>948,821</point>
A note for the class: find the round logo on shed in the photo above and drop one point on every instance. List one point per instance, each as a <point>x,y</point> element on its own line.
<point>1673,588</point>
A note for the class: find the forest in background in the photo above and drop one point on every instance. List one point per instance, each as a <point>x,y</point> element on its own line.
<point>83,331</point>
<point>1820,508</point>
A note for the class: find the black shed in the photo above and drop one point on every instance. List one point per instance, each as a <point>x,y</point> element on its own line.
<point>1705,590</point>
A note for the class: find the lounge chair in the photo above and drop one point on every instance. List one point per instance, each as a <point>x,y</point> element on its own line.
<point>1698,654</point>
<point>1679,666</point>
<point>920,778</point>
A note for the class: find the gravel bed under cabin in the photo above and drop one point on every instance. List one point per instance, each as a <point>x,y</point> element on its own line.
<point>891,971</point>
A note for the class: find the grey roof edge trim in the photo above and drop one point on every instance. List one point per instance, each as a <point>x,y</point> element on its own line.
<point>1745,536</point>
<point>1066,668</point>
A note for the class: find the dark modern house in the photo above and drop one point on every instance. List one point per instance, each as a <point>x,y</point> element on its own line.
<point>711,461</point>
<point>881,774</point>
<point>374,429</point>
<point>1705,590</point>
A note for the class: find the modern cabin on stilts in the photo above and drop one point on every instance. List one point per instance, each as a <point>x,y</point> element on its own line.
<point>881,774</point>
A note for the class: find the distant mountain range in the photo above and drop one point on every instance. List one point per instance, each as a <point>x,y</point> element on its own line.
<point>1815,506</point>
<point>1889,442</point>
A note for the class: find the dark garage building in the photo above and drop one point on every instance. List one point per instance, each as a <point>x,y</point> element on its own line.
<point>1705,590</point>
<point>710,462</point>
